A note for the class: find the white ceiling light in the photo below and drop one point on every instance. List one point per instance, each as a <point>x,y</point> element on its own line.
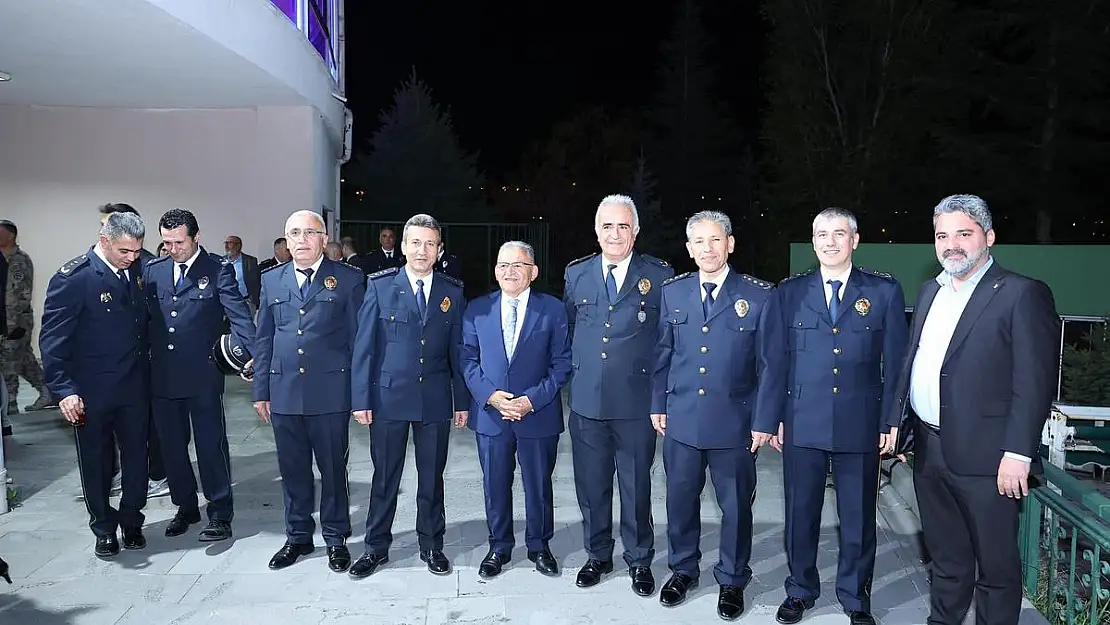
<point>5,77</point>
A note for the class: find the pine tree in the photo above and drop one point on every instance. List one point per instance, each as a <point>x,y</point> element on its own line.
<point>656,235</point>
<point>416,164</point>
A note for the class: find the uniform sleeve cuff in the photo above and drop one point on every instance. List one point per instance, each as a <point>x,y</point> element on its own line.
<point>1010,454</point>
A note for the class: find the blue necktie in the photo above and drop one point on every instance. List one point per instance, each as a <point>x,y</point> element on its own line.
<point>307,282</point>
<point>509,333</point>
<point>123,278</point>
<point>707,303</point>
<point>421,301</point>
<point>611,284</point>
<point>834,301</point>
<point>181,278</point>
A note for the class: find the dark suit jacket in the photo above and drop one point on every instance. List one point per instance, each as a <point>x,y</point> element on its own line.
<point>376,261</point>
<point>360,261</point>
<point>998,379</point>
<point>539,368</point>
<point>252,276</point>
<point>450,265</point>
<point>266,264</point>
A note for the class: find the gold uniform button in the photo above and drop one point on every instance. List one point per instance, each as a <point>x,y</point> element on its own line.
<point>421,361</point>
<point>170,346</point>
<point>705,329</point>
<point>836,350</point>
<point>610,308</point>
<point>175,298</point>
<point>604,339</point>
<point>836,389</point>
<point>173,313</point>
<point>704,350</point>
<point>301,311</point>
<point>836,330</point>
<point>423,342</point>
<point>172,330</point>
<point>701,391</point>
<point>701,370</point>
<point>608,325</point>
<point>300,332</point>
<point>836,370</point>
<point>420,379</point>
<point>302,369</point>
<point>604,355</point>
<point>300,351</point>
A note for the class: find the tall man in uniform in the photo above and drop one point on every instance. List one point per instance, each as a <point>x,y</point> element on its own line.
<point>96,356</point>
<point>188,293</point>
<point>302,385</point>
<point>846,334</point>
<point>387,255</point>
<point>516,359</point>
<point>613,303</point>
<point>281,255</point>
<point>406,375</point>
<point>18,357</point>
<point>717,397</point>
<point>975,391</point>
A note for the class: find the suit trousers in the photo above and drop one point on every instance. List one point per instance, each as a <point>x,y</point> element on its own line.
<point>967,525</point>
<point>125,426</point>
<point>298,439</point>
<point>857,480</point>
<point>498,456</point>
<point>600,448</point>
<point>388,447</point>
<point>733,474</point>
<point>209,429</point>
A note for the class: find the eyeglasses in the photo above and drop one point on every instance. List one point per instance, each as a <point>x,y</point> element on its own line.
<point>513,266</point>
<point>297,233</point>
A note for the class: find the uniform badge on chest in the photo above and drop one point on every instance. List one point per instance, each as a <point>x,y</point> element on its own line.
<point>645,286</point>
<point>741,307</point>
<point>863,306</point>
<point>105,297</point>
<point>330,283</point>
<point>202,283</point>
<point>445,305</point>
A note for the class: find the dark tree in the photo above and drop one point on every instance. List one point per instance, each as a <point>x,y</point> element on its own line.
<point>416,164</point>
<point>660,235</point>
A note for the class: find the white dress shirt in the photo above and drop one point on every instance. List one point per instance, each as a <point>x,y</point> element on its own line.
<point>315,267</point>
<point>427,285</point>
<point>389,253</point>
<point>619,272</point>
<point>719,281</point>
<point>101,256</point>
<point>188,265</point>
<point>843,277</point>
<point>506,312</point>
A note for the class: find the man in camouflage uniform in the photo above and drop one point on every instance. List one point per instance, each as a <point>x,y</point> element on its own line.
<point>18,358</point>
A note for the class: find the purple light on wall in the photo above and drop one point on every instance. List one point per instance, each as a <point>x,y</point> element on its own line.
<point>288,7</point>
<point>316,34</point>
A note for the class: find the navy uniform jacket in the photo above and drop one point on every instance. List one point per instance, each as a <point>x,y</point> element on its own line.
<point>302,354</point>
<point>93,338</point>
<point>185,324</point>
<point>613,345</point>
<point>718,380</point>
<point>450,265</point>
<point>842,375</point>
<point>538,370</point>
<point>405,368</point>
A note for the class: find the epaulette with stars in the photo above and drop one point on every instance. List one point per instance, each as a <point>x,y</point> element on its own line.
<point>878,274</point>
<point>71,265</point>
<point>798,275</point>
<point>273,267</point>
<point>388,271</point>
<point>580,260</point>
<point>156,259</point>
<point>677,278</point>
<point>763,284</point>
<point>655,261</point>
<point>449,278</point>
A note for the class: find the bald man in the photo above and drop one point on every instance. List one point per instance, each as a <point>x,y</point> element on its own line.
<point>246,269</point>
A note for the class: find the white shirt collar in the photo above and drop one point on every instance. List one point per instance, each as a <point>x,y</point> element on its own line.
<point>101,256</point>
<point>315,267</point>
<point>188,264</point>
<point>842,276</point>
<point>427,283</point>
<point>945,280</point>
<point>522,299</point>
<point>719,281</point>
<point>619,272</point>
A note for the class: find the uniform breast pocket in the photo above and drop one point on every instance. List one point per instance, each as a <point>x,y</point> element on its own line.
<point>326,307</point>
<point>395,323</point>
<point>677,321</point>
<point>280,308</point>
<point>802,327</point>
<point>585,306</point>
<point>868,331</point>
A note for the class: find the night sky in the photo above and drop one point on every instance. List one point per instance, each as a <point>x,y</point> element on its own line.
<point>510,69</point>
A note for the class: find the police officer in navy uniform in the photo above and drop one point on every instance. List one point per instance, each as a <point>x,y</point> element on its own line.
<point>96,357</point>
<point>406,376</point>
<point>448,263</point>
<point>302,385</point>
<point>613,302</point>
<point>717,397</point>
<point>844,326</point>
<point>188,294</point>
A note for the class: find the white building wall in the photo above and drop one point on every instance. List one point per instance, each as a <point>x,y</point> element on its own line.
<point>240,171</point>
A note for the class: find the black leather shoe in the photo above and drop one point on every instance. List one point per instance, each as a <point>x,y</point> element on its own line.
<point>730,602</point>
<point>674,591</point>
<point>492,564</point>
<point>339,558</point>
<point>133,538</point>
<point>107,546</point>
<point>216,531</point>
<point>437,562</point>
<point>181,522</point>
<point>545,562</point>
<point>643,582</point>
<point>792,610</point>
<point>857,617</point>
<point>288,554</point>
<point>366,565</point>
<point>590,574</point>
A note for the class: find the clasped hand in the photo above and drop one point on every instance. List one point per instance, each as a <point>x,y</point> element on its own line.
<point>511,408</point>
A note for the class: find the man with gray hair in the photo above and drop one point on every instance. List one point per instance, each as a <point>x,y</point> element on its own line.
<point>974,392</point>
<point>96,357</point>
<point>613,303</point>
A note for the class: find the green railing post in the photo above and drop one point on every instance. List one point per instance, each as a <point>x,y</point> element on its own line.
<point>1030,545</point>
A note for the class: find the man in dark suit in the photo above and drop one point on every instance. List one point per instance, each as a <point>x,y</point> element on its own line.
<point>387,255</point>
<point>302,385</point>
<point>406,374</point>
<point>516,358</point>
<point>717,397</point>
<point>352,257</point>
<point>188,293</point>
<point>95,353</point>
<point>613,302</point>
<point>974,393</point>
<point>247,273</point>
<point>448,263</point>
<point>844,327</point>
<point>281,255</point>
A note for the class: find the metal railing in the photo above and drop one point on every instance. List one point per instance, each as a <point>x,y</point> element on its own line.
<point>1065,550</point>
